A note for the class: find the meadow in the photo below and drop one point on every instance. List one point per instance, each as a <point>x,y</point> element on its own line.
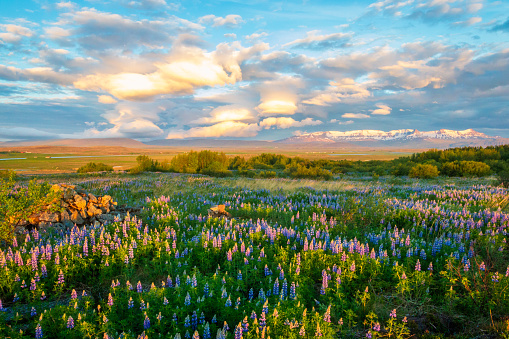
<point>347,258</point>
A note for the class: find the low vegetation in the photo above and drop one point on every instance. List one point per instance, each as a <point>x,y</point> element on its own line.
<point>95,167</point>
<point>352,259</point>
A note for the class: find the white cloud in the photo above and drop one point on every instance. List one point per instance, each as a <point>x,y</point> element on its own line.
<point>382,110</point>
<point>231,20</point>
<point>225,113</point>
<point>344,90</point>
<point>106,99</point>
<point>286,122</point>
<point>315,41</point>
<point>355,116</point>
<point>14,33</point>
<point>222,129</point>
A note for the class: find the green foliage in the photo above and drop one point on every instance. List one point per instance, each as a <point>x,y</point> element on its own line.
<point>145,164</point>
<point>424,171</point>
<point>503,178</point>
<point>5,174</point>
<point>465,169</point>
<point>18,203</point>
<point>204,162</point>
<point>95,167</point>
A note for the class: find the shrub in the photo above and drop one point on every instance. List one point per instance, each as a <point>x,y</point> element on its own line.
<point>424,171</point>
<point>465,169</point>
<point>95,167</point>
<point>503,178</point>
<point>18,203</point>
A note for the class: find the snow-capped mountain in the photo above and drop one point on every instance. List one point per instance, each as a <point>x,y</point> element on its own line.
<point>401,138</point>
<point>400,134</point>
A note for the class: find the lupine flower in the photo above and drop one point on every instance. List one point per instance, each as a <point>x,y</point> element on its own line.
<point>238,331</point>
<point>326,316</point>
<point>393,313</point>
<point>302,331</point>
<point>70,322</point>
<point>60,278</point>
<point>418,266</point>
<point>196,335</point>
<point>38,332</point>
<point>74,295</point>
<point>146,322</point>
<point>139,288</point>
<point>318,332</point>
<point>228,302</point>
<point>130,303</point>
<point>110,300</point>
<point>33,312</point>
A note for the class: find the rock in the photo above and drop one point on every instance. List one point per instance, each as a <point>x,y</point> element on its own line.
<point>105,200</point>
<point>106,217</point>
<point>76,218</point>
<point>49,217</point>
<point>69,194</point>
<point>92,198</point>
<point>80,202</point>
<point>218,212</point>
<point>64,215</point>
<point>92,211</point>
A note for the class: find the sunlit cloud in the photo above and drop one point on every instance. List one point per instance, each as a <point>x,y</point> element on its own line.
<point>231,20</point>
<point>106,99</point>
<point>223,129</point>
<point>286,122</point>
<point>355,116</point>
<point>381,110</point>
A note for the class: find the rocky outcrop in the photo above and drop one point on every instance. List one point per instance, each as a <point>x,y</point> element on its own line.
<point>76,207</point>
<point>218,212</point>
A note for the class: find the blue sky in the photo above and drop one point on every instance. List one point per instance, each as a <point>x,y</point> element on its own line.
<point>266,70</point>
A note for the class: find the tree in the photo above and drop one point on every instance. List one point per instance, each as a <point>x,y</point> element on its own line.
<point>424,171</point>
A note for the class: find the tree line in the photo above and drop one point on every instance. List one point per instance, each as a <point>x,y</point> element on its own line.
<point>454,162</point>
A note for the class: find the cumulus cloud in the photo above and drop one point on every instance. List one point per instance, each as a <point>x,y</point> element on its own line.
<point>320,42</point>
<point>225,113</point>
<point>381,110</point>
<point>280,96</point>
<point>355,116</point>
<point>106,99</point>
<point>222,129</point>
<point>37,74</point>
<point>56,32</point>
<point>286,122</point>
<point>231,20</point>
<point>469,22</point>
<point>14,33</point>
<point>185,69</point>
<point>346,88</point>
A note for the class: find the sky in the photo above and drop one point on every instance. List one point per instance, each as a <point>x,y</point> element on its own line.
<point>261,70</point>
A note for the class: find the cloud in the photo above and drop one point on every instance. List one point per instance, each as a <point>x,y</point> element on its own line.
<point>186,68</point>
<point>14,33</point>
<point>470,22</point>
<point>255,36</point>
<point>320,42</point>
<point>285,122</point>
<point>24,133</point>
<point>501,27</point>
<point>345,89</point>
<point>279,96</point>
<point>355,116</point>
<point>57,33</point>
<point>38,74</point>
<point>225,113</point>
<point>231,20</point>
<point>106,99</point>
<point>381,110</point>
<point>277,107</point>
<point>223,129</point>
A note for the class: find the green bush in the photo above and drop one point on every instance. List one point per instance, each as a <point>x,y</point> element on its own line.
<point>7,174</point>
<point>18,203</point>
<point>465,169</point>
<point>503,178</point>
<point>424,171</point>
<point>95,167</point>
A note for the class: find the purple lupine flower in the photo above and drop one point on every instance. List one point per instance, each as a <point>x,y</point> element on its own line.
<point>139,288</point>
<point>70,322</point>
<point>165,301</point>
<point>369,335</point>
<point>44,271</point>
<point>302,331</point>
<point>326,316</point>
<point>228,302</point>
<point>187,300</point>
<point>275,289</point>
<point>43,295</point>
<point>245,325</point>
<point>196,335</point>
<point>376,327</point>
<point>175,319</point>
<point>130,303</point>
<point>393,313</point>
<point>74,295</point>
<point>38,332</point>
<point>418,266</point>
<point>146,322</point>
<point>238,331</point>
<point>318,332</point>
<point>206,331</point>
<point>33,285</point>
<point>110,300</point>
<point>60,278</point>
<point>33,312</point>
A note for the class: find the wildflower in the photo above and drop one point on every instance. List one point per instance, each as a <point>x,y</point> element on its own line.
<point>165,301</point>
<point>238,331</point>
<point>326,316</point>
<point>38,332</point>
<point>130,303</point>
<point>405,319</point>
<point>376,327</point>
<point>33,312</point>
<point>146,322</point>
<point>110,300</point>
<point>139,288</point>
<point>302,331</point>
<point>70,322</point>
<point>196,335</point>
<point>318,332</point>
<point>74,295</point>
<point>187,300</point>
<point>60,278</point>
<point>393,313</point>
<point>43,296</point>
<point>228,302</point>
<point>418,266</point>
<point>33,285</point>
